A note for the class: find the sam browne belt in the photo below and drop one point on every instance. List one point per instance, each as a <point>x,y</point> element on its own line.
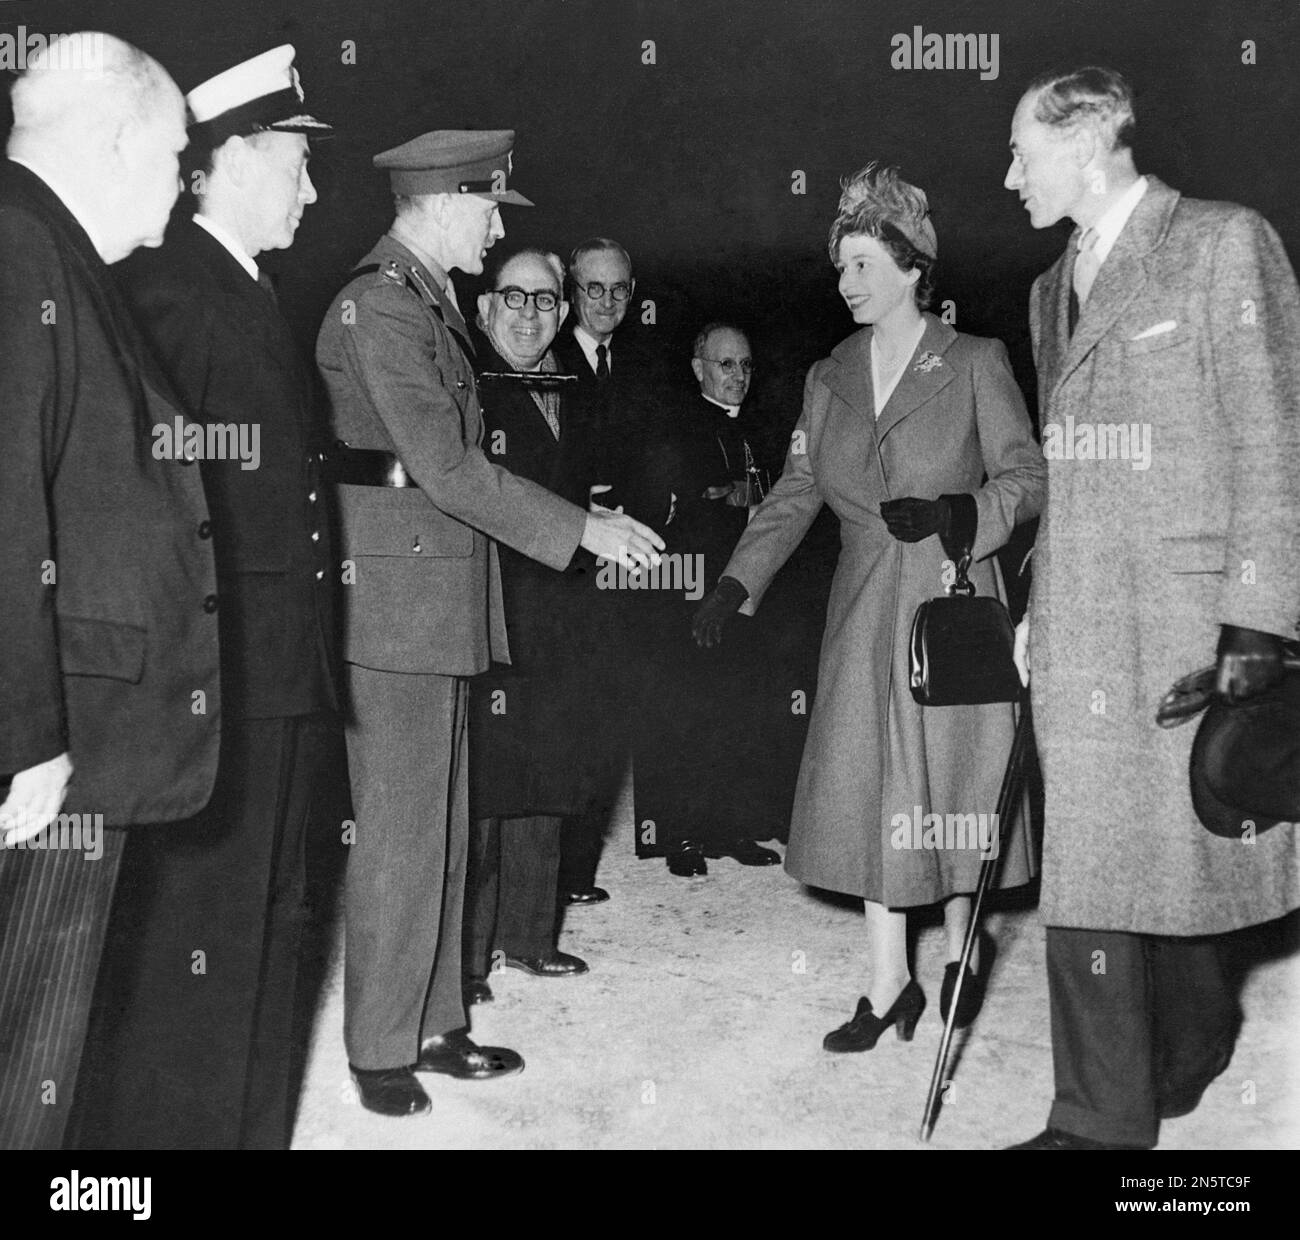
<point>364,467</point>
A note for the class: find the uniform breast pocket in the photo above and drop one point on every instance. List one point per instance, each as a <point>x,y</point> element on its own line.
<point>399,521</point>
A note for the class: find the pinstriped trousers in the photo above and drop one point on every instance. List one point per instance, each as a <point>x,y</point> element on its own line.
<point>54,907</point>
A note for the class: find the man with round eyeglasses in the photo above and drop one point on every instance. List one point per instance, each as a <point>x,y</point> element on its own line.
<point>538,739</point>
<point>623,381</point>
<point>698,769</point>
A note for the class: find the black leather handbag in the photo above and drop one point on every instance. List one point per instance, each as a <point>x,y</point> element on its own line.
<point>961,648</point>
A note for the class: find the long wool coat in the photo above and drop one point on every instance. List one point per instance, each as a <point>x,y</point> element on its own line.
<point>873,756</point>
<point>1190,333</point>
<point>542,732</point>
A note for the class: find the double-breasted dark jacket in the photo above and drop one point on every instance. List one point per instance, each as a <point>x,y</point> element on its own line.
<point>422,587</point>
<point>230,354</point>
<point>108,611</point>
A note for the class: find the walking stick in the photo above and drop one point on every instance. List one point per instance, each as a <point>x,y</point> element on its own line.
<point>988,868</point>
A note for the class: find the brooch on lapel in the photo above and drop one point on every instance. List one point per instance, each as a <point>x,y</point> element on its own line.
<point>928,362</point>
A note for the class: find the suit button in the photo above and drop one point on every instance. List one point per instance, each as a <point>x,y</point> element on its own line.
<point>210,604</point>
<point>460,385</point>
<point>315,535</point>
<point>320,574</point>
<point>311,496</point>
<point>415,543</point>
<point>205,529</point>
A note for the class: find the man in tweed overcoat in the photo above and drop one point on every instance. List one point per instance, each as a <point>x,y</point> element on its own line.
<point>1169,395</point>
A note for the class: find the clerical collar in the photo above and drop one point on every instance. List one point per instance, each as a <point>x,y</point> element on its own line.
<point>228,242</point>
<point>732,411</point>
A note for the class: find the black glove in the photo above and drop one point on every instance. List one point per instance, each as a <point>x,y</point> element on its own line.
<point>1249,663</point>
<point>952,517</point>
<point>722,602</point>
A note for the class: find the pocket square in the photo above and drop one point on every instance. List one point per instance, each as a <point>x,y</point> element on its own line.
<point>1158,329</point>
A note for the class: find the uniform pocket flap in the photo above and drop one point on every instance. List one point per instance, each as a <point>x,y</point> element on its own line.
<point>398,521</point>
<point>101,648</point>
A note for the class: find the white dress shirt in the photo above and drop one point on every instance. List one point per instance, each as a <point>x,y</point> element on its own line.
<point>1109,227</point>
<point>228,242</point>
<point>588,344</point>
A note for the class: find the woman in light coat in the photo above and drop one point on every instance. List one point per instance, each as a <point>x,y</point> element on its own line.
<point>917,437</point>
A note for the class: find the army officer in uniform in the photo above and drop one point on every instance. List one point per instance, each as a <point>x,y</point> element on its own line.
<point>419,506</point>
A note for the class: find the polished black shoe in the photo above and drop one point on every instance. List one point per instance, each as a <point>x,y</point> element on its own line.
<point>747,853</point>
<point>864,1030</point>
<point>687,860</point>
<point>475,990</point>
<point>972,989</point>
<point>457,1054</point>
<point>390,1091</point>
<point>590,895</point>
<point>556,964</point>
<point>1058,1139</point>
<point>1182,1100</point>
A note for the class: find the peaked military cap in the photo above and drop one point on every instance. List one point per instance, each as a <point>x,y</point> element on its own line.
<point>454,161</point>
<point>258,95</point>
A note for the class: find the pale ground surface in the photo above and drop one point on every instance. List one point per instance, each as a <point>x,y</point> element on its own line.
<point>700,1026</point>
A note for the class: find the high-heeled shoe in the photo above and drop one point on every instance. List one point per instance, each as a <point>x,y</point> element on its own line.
<point>972,988</point>
<point>864,1030</point>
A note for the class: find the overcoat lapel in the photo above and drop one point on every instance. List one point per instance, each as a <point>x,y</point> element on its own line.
<point>1055,328</point>
<point>917,385</point>
<point>849,378</point>
<point>1122,276</point>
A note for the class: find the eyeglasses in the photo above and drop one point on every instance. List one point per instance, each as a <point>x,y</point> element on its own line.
<point>730,366</point>
<point>516,298</point>
<point>596,290</point>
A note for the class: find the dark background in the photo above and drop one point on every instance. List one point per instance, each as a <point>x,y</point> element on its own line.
<point>688,161</point>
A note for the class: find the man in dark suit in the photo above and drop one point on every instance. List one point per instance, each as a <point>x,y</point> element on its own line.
<point>419,506</point>
<point>539,730</point>
<point>1169,396</point>
<point>203,1061</point>
<point>699,759</point>
<point>109,690</point>
<point>622,380</point>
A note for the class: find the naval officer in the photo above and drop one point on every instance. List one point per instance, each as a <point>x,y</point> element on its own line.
<point>179,1060</point>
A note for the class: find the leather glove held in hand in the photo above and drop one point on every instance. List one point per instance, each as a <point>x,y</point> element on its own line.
<point>952,517</point>
<point>722,603</point>
<point>1250,662</point>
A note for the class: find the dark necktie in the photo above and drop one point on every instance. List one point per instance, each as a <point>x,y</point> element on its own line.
<point>264,283</point>
<point>602,362</point>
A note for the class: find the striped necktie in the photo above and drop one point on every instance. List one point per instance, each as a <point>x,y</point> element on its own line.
<point>1086,266</point>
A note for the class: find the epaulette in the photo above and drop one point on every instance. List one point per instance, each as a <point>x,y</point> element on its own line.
<point>392,270</point>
